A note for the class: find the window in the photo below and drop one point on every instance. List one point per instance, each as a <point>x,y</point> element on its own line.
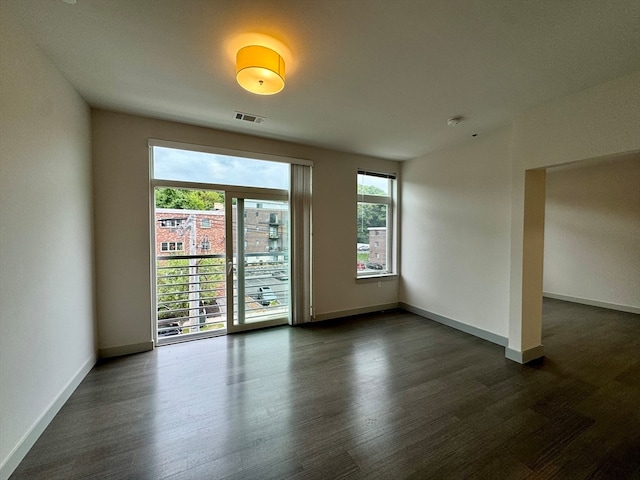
<point>180,165</point>
<point>171,246</point>
<point>196,170</point>
<point>171,222</point>
<point>375,234</point>
<point>205,223</point>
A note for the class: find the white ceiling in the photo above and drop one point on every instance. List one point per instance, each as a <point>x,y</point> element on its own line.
<point>378,77</point>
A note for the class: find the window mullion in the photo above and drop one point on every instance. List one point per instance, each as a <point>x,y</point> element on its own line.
<point>374,199</point>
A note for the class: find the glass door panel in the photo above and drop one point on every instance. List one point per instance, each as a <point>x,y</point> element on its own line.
<point>260,263</point>
<point>190,263</point>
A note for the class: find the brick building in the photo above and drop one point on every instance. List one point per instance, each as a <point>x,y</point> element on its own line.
<point>199,232</point>
<point>378,245</point>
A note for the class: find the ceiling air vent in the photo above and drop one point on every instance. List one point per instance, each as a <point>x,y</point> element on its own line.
<point>248,117</point>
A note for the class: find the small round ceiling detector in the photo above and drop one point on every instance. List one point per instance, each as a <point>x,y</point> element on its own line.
<point>453,121</point>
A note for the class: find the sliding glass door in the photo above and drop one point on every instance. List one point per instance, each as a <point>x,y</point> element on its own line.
<point>259,271</point>
<point>223,266</point>
<point>221,233</point>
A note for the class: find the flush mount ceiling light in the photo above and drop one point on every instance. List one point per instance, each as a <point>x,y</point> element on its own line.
<point>260,70</point>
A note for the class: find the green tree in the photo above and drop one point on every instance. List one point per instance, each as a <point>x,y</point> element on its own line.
<point>187,199</point>
<point>173,285</point>
<point>370,214</point>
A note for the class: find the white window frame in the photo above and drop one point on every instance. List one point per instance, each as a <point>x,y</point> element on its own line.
<point>390,200</point>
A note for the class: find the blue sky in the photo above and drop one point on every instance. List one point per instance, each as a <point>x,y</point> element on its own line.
<point>381,183</point>
<point>190,166</point>
<point>185,165</point>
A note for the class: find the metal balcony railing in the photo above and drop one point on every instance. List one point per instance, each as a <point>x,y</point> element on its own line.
<point>191,292</point>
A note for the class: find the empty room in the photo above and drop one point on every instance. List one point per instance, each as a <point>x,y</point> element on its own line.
<point>319,239</point>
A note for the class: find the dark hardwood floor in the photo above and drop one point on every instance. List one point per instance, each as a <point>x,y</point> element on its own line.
<point>384,396</point>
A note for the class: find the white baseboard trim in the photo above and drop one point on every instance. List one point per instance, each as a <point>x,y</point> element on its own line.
<point>593,303</point>
<point>525,356</point>
<point>354,311</point>
<point>29,439</point>
<point>125,349</point>
<point>463,327</point>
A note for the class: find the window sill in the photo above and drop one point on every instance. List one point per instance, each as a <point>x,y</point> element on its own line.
<point>376,277</point>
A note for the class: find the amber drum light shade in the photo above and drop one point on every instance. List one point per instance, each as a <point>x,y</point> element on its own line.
<point>260,70</point>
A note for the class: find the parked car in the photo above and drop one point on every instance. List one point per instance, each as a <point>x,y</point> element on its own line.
<point>374,266</point>
<point>266,296</point>
<point>282,275</point>
<point>360,265</point>
<point>171,329</point>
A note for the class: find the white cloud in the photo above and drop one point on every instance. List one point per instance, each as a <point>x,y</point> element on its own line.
<point>184,165</point>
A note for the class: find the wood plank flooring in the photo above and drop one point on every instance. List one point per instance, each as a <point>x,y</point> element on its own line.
<point>386,396</point>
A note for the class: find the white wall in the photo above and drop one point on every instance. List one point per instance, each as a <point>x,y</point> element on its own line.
<point>592,233</point>
<point>121,170</point>
<point>47,339</point>
<point>457,203</point>
<point>598,122</point>
<point>455,233</point>
<point>603,121</point>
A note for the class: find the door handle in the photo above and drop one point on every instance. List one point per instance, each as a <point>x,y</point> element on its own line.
<point>229,268</point>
